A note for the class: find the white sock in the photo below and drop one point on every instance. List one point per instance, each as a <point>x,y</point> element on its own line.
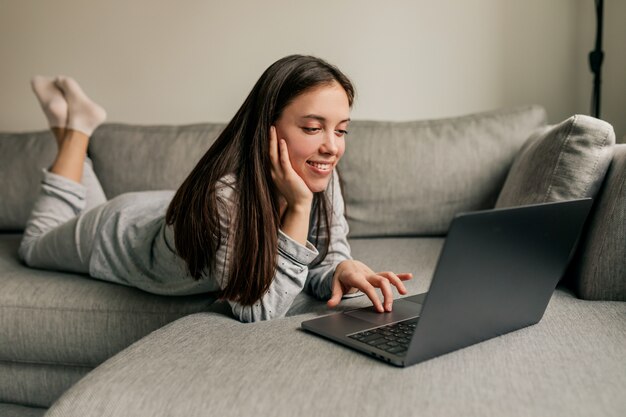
<point>51,100</point>
<point>84,115</point>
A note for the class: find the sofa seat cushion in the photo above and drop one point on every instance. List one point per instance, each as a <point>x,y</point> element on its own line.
<point>37,385</point>
<point>570,364</point>
<point>14,410</point>
<point>58,318</point>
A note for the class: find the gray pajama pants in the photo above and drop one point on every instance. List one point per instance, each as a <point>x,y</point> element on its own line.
<point>59,234</point>
<point>125,240</point>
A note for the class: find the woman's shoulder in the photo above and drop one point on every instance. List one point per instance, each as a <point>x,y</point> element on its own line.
<point>228,180</point>
<point>225,187</point>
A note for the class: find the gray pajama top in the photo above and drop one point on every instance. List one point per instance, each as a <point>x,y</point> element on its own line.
<point>135,247</point>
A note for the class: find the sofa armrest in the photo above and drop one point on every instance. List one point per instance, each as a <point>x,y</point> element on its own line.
<point>208,364</point>
<point>598,271</point>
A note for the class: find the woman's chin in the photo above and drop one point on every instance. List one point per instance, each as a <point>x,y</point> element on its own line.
<point>317,186</point>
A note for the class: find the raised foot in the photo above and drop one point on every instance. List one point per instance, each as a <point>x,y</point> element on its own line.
<point>51,100</point>
<point>84,114</point>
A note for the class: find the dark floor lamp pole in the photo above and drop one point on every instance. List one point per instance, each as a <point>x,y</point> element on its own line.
<point>595,60</point>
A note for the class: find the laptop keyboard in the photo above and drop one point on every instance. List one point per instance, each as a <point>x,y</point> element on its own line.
<point>393,338</point>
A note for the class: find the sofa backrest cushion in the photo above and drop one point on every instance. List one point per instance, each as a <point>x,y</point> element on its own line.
<point>562,162</point>
<point>22,157</point>
<point>130,158</point>
<point>400,178</point>
<point>411,178</point>
<point>598,271</point>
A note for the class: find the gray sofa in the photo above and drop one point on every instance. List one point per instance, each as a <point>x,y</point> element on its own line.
<point>76,346</point>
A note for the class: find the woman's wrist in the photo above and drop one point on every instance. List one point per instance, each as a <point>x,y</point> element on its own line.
<point>301,207</point>
<point>295,222</point>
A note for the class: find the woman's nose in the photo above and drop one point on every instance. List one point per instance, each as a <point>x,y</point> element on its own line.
<point>330,143</point>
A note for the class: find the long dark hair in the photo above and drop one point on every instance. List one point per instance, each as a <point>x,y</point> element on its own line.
<point>242,149</point>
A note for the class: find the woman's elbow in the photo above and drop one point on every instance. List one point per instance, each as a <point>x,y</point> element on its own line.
<point>253,314</point>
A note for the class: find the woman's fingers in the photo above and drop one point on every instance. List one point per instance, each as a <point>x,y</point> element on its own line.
<point>279,154</point>
<point>383,283</point>
<point>369,290</point>
<point>274,158</point>
<point>273,141</point>
<point>405,276</point>
<point>384,280</point>
<point>395,280</point>
<point>361,277</point>
<point>284,157</point>
<point>337,293</point>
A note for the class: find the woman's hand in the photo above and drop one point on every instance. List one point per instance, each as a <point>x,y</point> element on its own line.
<point>290,185</point>
<point>353,275</point>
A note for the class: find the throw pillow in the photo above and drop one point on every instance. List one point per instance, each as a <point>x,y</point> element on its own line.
<point>562,162</point>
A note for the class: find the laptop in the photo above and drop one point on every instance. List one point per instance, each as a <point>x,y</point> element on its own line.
<point>496,273</point>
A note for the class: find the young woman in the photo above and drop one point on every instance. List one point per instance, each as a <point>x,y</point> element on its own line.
<point>259,219</point>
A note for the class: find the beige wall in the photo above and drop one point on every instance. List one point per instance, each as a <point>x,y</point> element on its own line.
<point>189,61</point>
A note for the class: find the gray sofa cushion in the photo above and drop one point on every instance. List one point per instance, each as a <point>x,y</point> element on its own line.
<point>22,156</point>
<point>36,385</point>
<point>411,178</point>
<point>599,268</point>
<point>138,158</point>
<point>569,364</point>
<point>14,410</point>
<point>57,318</point>
<point>562,162</point>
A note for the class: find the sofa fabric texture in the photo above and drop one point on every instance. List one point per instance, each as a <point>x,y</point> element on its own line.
<point>185,370</point>
<point>420,174</point>
<point>562,162</point>
<point>14,410</point>
<point>130,158</point>
<point>62,318</point>
<point>37,384</point>
<point>599,268</point>
<point>22,156</point>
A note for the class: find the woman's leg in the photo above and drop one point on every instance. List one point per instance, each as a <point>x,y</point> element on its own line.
<point>56,109</point>
<point>83,117</point>
<point>58,234</point>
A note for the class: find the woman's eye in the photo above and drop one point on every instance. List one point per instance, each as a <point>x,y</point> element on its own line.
<point>311,129</point>
<point>342,132</point>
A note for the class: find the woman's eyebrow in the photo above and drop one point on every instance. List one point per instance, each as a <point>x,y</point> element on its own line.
<point>321,118</point>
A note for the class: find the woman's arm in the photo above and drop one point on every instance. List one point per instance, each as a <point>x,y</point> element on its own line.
<point>291,273</point>
<point>319,281</point>
<point>291,265</point>
<point>338,275</point>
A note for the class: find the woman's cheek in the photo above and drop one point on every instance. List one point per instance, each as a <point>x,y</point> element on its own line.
<point>342,150</point>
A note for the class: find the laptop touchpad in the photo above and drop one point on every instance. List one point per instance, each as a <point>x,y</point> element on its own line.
<point>402,310</point>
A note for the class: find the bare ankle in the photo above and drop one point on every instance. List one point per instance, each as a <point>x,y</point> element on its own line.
<point>59,135</point>
<point>71,156</point>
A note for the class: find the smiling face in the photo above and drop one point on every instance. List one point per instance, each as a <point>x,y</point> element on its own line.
<point>314,126</point>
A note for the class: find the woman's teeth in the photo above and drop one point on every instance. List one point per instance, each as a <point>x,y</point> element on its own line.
<point>323,167</point>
